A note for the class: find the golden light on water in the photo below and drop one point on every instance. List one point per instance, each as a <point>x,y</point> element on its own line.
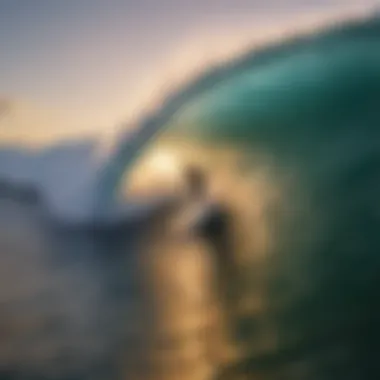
<point>157,173</point>
<point>247,190</point>
<point>180,273</point>
<point>183,330</point>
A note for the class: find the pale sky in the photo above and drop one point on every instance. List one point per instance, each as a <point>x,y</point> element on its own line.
<point>90,59</point>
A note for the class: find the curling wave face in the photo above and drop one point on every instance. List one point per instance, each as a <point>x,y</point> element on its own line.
<point>300,125</point>
<point>289,138</point>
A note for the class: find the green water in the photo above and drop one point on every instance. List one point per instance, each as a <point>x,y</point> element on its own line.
<point>304,118</point>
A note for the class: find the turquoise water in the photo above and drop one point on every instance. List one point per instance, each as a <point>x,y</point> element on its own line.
<point>304,118</point>
<point>289,138</point>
